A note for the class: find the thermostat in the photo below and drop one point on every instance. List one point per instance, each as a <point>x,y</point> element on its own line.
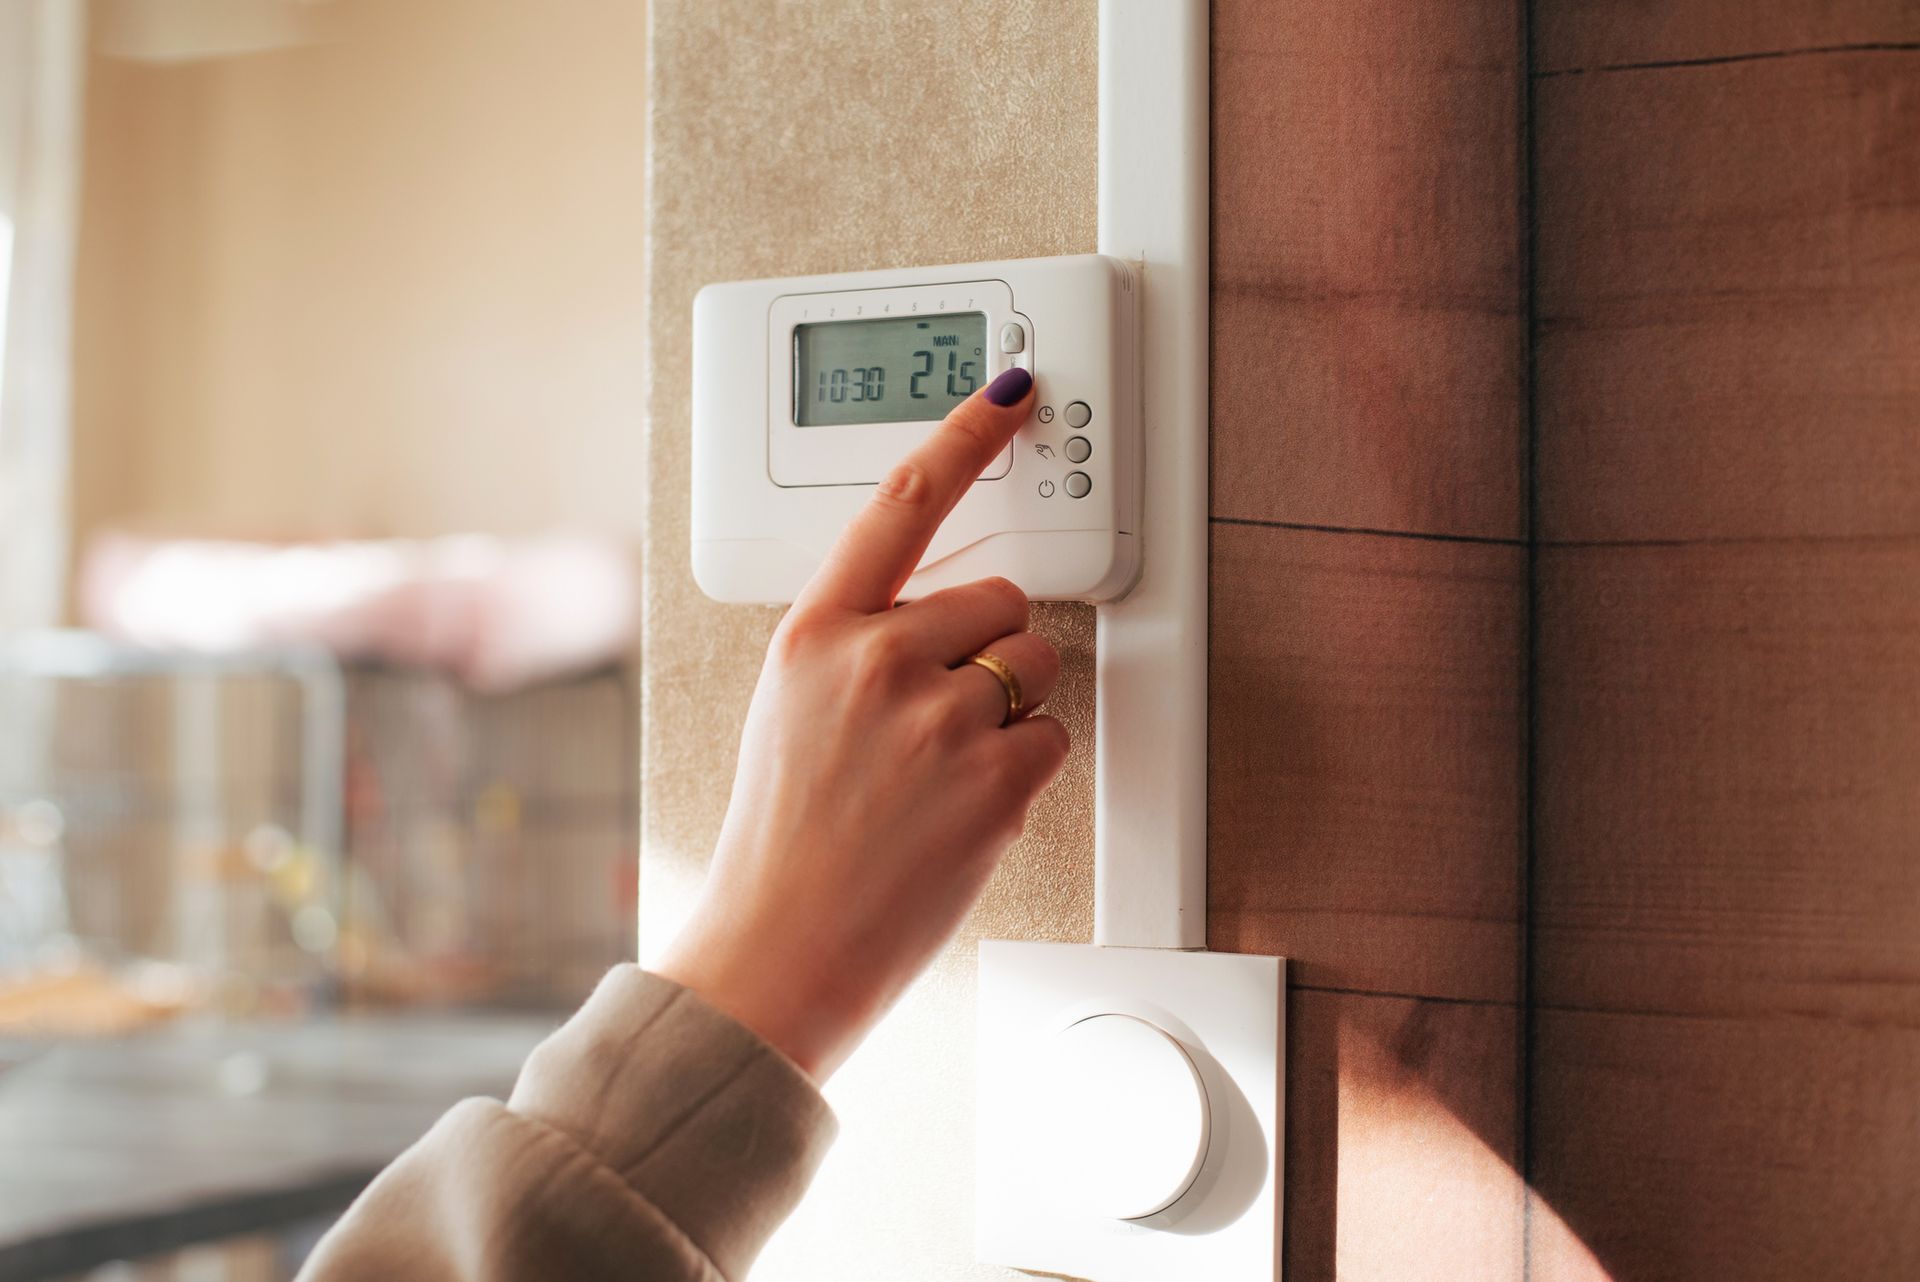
<point>807,390</point>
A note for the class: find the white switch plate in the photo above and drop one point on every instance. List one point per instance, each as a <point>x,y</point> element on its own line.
<point>1227,1011</point>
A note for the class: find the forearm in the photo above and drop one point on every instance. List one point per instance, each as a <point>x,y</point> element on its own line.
<point>651,1137</point>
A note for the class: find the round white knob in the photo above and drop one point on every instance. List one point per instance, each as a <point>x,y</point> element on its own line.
<point>1127,1113</point>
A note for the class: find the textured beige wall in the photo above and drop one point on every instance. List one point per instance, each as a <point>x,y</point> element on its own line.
<point>386,284</point>
<point>823,137</point>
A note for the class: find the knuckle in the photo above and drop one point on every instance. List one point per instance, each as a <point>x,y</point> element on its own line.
<point>1007,591</point>
<point>952,723</point>
<point>1045,653</point>
<point>1049,745</point>
<point>906,486</point>
<point>976,427</point>
<point>881,656</point>
<point>790,641</point>
<point>935,728</point>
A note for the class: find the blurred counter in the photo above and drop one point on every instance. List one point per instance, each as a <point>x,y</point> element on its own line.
<point>128,1147</point>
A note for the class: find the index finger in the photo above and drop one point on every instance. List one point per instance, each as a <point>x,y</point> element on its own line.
<point>880,548</point>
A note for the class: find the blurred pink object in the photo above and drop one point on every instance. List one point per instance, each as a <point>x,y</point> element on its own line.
<point>499,613</point>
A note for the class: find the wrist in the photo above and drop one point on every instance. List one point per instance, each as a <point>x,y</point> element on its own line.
<point>787,1003</point>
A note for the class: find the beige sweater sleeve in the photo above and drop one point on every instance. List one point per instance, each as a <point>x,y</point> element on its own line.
<point>650,1139</point>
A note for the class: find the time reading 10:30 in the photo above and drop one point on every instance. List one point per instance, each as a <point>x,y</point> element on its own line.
<point>886,371</point>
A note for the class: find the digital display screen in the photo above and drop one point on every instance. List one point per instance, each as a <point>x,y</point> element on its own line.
<point>904,369</point>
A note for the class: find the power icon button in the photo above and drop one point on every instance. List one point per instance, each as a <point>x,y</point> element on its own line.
<point>1046,489</point>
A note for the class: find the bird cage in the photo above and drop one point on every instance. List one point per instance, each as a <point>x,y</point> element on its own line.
<point>170,830</point>
<point>265,833</point>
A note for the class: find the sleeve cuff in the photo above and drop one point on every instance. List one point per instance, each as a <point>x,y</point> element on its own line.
<point>699,1116</point>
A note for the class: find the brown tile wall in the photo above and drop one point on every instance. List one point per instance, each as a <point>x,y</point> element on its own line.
<point>1369,608</point>
<point>1402,1139</point>
<point>1766,1149</point>
<point>1566,626</point>
<point>1366,751</point>
<point>1725,877</point>
<point>1366,265</point>
<point>1729,294</point>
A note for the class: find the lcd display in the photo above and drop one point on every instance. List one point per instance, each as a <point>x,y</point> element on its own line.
<point>905,369</point>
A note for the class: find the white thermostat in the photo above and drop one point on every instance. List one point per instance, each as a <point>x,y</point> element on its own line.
<point>807,390</point>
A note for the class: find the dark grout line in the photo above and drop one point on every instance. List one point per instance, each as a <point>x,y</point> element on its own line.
<point>1733,540</point>
<point>1534,546</point>
<point>1420,535</point>
<point>1806,1018</point>
<point>1483,1002</point>
<point>1530,1008</point>
<point>1529,663</point>
<point>1889,46</point>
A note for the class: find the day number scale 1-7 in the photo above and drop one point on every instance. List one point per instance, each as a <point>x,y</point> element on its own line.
<point>806,390</point>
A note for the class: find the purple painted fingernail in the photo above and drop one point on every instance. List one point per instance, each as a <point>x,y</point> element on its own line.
<point>1009,387</point>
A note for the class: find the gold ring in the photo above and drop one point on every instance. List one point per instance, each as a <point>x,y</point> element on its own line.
<point>995,664</point>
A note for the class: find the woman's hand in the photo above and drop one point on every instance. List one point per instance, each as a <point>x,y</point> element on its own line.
<point>880,778</point>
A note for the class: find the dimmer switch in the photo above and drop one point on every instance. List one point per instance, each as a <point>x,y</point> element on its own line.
<point>1125,1116</point>
<point>1129,1115</point>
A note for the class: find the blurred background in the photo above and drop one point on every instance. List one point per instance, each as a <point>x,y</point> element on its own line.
<point>321,484</point>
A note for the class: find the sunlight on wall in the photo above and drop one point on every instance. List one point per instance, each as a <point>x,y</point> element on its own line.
<point>1424,1189</point>
<point>748,112</point>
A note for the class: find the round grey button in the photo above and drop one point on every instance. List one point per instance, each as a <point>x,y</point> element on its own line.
<point>1079,414</point>
<point>1079,449</point>
<point>1012,338</point>
<point>1079,484</point>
